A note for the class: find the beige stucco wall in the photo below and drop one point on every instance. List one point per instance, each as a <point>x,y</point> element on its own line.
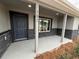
<point>25,11</point>
<point>72,22</point>
<point>54,22</point>
<point>54,19</point>
<point>69,23</point>
<point>4,19</point>
<point>59,22</point>
<point>31,16</point>
<point>76,23</point>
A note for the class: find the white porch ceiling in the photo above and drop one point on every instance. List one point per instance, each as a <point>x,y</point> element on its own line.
<point>59,5</point>
<point>24,6</point>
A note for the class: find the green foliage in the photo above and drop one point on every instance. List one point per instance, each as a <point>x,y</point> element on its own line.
<point>76,50</point>
<point>65,56</point>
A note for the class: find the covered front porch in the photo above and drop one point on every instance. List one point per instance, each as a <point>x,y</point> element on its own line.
<point>25,49</point>
<point>46,28</point>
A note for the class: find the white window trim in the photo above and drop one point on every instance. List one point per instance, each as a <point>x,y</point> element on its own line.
<point>49,26</point>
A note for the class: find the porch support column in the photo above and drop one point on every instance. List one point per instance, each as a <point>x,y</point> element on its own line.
<point>64,27</point>
<point>36,26</point>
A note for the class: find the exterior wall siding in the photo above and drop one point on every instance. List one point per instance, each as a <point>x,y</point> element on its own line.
<point>51,33</point>
<point>56,23</point>
<point>68,33</point>
<point>55,28</point>
<point>4,43</point>
<point>31,33</point>
<point>4,19</point>
<point>71,26</point>
<point>74,33</point>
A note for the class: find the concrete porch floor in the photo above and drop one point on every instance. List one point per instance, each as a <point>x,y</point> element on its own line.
<point>25,49</point>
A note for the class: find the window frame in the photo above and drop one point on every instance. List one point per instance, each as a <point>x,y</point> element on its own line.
<point>49,24</point>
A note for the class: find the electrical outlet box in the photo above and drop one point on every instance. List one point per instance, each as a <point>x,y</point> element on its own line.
<point>5,38</point>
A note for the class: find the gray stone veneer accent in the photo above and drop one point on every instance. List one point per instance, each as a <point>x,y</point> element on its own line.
<point>68,33</point>
<point>4,43</point>
<point>74,33</point>
<point>44,34</point>
<point>31,33</point>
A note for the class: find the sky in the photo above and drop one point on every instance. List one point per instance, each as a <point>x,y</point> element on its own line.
<point>74,2</point>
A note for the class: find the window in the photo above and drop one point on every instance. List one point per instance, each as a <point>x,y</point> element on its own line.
<point>44,24</point>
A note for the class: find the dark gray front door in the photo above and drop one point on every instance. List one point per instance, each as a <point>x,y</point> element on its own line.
<point>20,26</point>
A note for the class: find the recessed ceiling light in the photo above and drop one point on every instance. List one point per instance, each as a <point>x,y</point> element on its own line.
<point>57,13</point>
<point>29,6</point>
